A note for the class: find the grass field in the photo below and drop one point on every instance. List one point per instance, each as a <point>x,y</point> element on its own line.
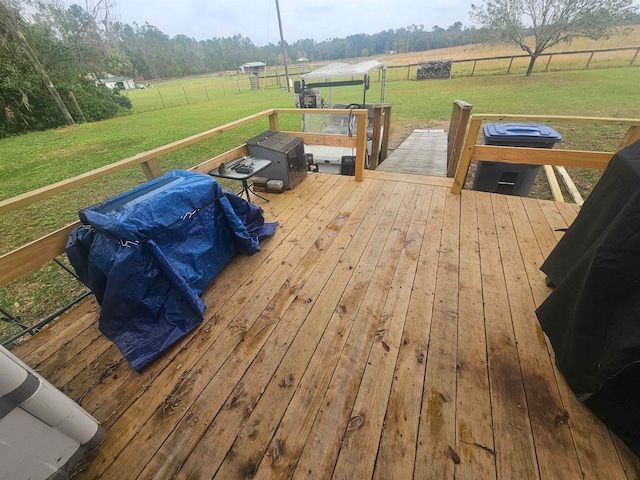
<point>37,159</point>
<point>169,93</point>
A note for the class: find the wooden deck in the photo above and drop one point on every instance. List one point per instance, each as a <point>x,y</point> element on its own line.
<point>424,152</point>
<point>386,331</point>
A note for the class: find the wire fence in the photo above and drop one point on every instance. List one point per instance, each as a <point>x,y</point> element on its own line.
<point>517,64</point>
<point>167,93</point>
<point>176,92</point>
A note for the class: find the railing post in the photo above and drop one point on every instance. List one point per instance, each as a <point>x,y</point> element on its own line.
<point>635,55</point>
<point>632,136</point>
<point>384,147</point>
<point>361,140</point>
<point>376,140</point>
<point>474,67</point>
<point>509,69</point>
<point>467,152</point>
<point>457,128</point>
<point>151,169</point>
<point>546,68</point>
<point>274,123</point>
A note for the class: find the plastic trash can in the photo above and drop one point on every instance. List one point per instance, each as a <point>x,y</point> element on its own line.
<point>512,178</point>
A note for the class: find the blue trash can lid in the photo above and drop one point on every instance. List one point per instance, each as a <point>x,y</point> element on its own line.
<point>521,131</point>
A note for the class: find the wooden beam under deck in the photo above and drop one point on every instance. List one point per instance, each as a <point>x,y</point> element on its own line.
<point>387,330</point>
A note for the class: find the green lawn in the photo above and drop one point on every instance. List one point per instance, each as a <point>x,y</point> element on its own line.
<point>38,159</point>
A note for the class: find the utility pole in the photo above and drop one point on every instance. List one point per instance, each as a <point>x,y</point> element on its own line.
<point>284,50</point>
<point>11,27</point>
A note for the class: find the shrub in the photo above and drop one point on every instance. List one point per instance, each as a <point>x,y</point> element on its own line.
<point>99,103</point>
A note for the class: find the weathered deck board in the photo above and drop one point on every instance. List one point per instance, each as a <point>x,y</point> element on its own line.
<point>395,460</point>
<point>357,455</point>
<point>475,436</point>
<point>596,445</point>
<point>334,419</point>
<point>436,436</point>
<point>546,409</point>
<point>52,338</point>
<point>270,379</point>
<point>515,450</point>
<point>244,326</point>
<point>387,330</point>
<point>424,152</point>
<point>356,266</point>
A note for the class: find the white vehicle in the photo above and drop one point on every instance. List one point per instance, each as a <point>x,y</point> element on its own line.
<point>319,89</point>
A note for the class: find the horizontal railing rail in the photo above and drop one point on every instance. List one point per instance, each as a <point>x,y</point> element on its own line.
<point>27,258</point>
<point>536,156</point>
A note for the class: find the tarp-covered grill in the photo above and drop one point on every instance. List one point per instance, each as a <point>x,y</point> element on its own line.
<point>149,253</point>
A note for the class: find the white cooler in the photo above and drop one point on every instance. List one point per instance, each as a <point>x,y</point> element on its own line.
<point>43,433</point>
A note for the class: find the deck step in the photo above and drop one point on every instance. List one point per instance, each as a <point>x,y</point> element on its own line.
<point>424,152</point>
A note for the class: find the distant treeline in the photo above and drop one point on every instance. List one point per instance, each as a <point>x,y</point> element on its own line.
<point>153,54</point>
<point>77,45</point>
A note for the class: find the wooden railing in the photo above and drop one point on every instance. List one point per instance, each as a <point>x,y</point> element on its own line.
<point>455,138</point>
<point>536,156</point>
<point>32,255</point>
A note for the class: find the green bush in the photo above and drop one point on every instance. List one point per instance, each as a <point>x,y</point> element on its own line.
<point>26,105</point>
<point>122,100</point>
<point>98,102</point>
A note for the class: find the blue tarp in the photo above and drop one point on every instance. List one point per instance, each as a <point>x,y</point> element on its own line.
<point>148,254</point>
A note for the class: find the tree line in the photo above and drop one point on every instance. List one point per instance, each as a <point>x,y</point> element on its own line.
<point>44,43</point>
<point>145,51</point>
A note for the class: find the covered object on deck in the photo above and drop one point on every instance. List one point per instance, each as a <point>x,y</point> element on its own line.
<point>592,315</point>
<point>149,253</point>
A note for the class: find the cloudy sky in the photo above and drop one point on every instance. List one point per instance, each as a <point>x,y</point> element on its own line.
<point>317,19</point>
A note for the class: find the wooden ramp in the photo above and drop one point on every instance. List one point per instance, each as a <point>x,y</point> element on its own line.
<point>424,152</point>
<point>387,331</point>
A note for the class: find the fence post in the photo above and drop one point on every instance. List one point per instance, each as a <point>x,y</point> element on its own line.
<point>548,62</point>
<point>185,94</point>
<point>474,67</point>
<point>590,57</point>
<point>408,71</point>
<point>161,99</point>
<point>634,56</point>
<point>238,83</point>
<point>206,92</point>
<point>508,69</point>
<point>223,90</point>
